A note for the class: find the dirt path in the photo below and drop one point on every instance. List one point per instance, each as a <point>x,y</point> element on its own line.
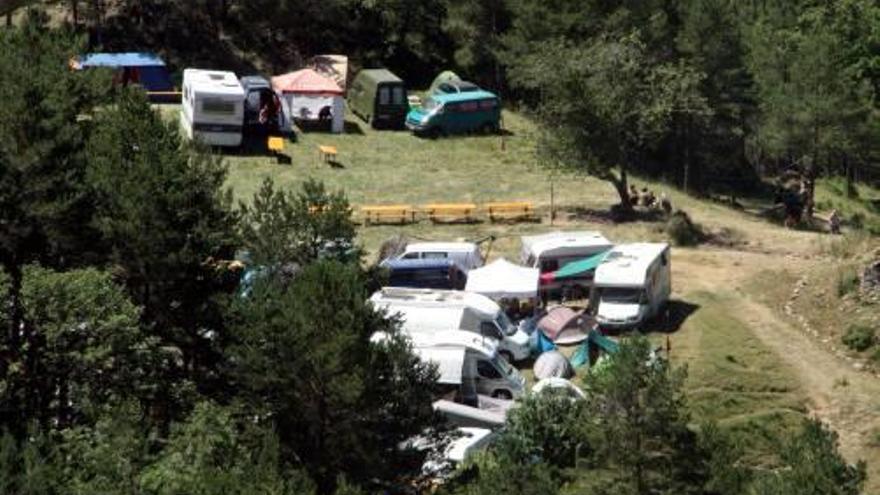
<point>848,400</point>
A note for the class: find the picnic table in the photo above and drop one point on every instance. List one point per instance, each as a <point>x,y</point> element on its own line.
<point>511,210</point>
<point>327,153</point>
<point>450,211</point>
<point>387,213</point>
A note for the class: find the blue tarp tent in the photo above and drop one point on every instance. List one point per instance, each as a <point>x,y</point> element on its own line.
<point>144,69</point>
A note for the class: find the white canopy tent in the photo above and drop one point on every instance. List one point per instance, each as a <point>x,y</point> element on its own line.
<point>503,279</point>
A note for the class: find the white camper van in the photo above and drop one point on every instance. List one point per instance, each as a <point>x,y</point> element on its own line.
<point>466,254</point>
<point>471,362</point>
<point>442,311</point>
<point>550,252</point>
<point>632,284</point>
<point>212,107</point>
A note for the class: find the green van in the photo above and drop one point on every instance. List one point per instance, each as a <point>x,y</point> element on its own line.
<point>456,113</point>
<point>379,97</point>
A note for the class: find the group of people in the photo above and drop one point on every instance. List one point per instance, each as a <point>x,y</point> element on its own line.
<point>647,199</point>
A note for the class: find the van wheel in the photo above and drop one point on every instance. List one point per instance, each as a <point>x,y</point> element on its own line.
<point>432,133</point>
<point>502,394</point>
<point>489,128</point>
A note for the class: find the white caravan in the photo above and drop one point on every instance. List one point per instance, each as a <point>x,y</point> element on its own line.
<point>550,252</point>
<point>466,254</point>
<point>212,107</point>
<point>632,284</point>
<point>470,362</point>
<point>442,311</point>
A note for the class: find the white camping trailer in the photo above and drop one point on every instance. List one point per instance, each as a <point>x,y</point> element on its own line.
<point>212,107</point>
<point>632,284</point>
<point>550,252</point>
<point>436,311</point>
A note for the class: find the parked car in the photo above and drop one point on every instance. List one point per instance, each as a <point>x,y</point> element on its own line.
<point>466,254</point>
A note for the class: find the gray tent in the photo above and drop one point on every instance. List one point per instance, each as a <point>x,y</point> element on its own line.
<point>552,364</point>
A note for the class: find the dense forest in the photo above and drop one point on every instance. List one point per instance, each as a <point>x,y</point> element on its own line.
<point>133,362</point>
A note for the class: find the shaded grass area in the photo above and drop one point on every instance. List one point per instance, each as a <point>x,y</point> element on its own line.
<point>735,380</point>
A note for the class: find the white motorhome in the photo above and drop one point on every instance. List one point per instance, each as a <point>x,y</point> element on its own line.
<point>632,284</point>
<point>436,311</point>
<point>470,362</point>
<point>212,107</point>
<point>466,254</point>
<point>550,252</point>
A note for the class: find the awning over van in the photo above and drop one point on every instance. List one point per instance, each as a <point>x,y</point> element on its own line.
<point>574,269</point>
<point>502,278</point>
<point>305,81</point>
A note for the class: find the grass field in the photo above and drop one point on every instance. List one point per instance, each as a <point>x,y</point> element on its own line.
<point>749,366</point>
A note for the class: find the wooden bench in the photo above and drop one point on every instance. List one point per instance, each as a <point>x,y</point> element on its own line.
<point>514,210</point>
<point>327,153</point>
<point>388,213</point>
<point>450,212</point>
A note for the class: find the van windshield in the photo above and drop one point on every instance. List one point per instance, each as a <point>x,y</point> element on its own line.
<point>503,365</point>
<point>430,104</point>
<point>507,327</point>
<point>622,296</point>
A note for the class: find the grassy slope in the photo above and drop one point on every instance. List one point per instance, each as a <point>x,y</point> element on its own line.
<point>734,377</point>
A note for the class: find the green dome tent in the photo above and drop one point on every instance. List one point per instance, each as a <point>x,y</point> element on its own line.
<point>445,76</point>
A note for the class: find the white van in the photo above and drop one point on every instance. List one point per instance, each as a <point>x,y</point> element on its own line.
<point>550,252</point>
<point>212,107</point>
<point>466,254</point>
<point>471,363</point>
<point>632,284</point>
<point>435,311</point>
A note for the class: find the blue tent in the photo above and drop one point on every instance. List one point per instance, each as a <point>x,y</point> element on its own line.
<point>145,69</point>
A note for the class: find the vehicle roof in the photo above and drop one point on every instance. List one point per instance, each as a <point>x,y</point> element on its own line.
<point>255,82</point>
<point>419,264</point>
<point>213,81</point>
<point>379,75</point>
<point>627,264</point>
<point>454,340</point>
<point>128,59</point>
<point>404,296</point>
<point>440,246</point>
<point>537,244</point>
<point>459,448</point>
<point>461,85</point>
<point>465,96</point>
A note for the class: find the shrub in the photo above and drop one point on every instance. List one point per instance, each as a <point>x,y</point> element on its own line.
<point>857,220</point>
<point>682,231</point>
<point>847,281</point>
<point>859,337</point>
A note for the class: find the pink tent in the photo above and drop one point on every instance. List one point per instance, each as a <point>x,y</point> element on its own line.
<point>308,95</point>
<point>305,81</point>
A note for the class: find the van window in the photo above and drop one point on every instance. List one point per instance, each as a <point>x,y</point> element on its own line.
<point>549,265</point>
<point>411,256</point>
<point>399,99</point>
<point>384,95</point>
<point>486,370</point>
<point>468,106</point>
<point>488,104</point>
<point>663,259</point>
<point>218,107</point>
<point>434,256</point>
<point>488,329</point>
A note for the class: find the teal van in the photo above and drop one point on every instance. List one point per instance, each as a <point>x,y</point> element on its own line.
<point>456,113</point>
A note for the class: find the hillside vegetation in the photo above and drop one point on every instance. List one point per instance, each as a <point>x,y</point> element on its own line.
<point>181,321</point>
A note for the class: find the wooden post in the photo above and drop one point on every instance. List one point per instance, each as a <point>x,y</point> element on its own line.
<point>552,204</point>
